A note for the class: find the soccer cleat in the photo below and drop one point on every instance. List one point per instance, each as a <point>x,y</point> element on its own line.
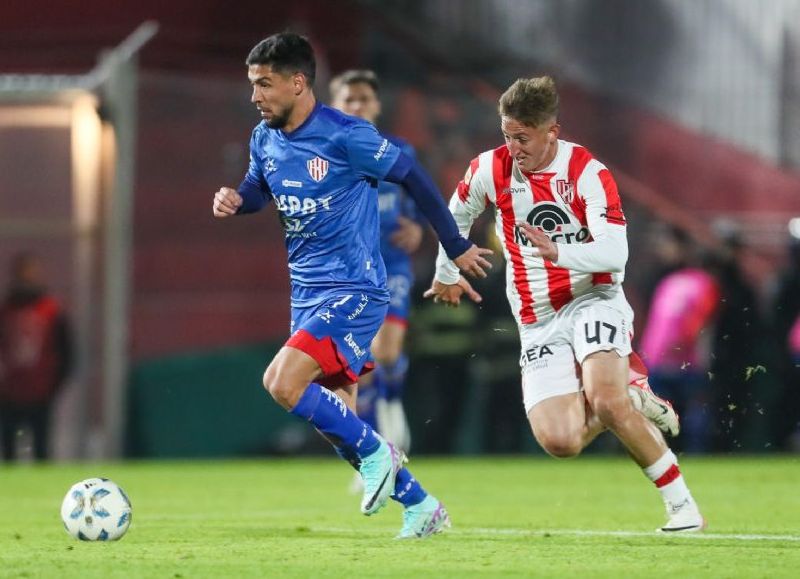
<point>424,519</point>
<point>656,409</point>
<point>378,471</point>
<point>684,517</point>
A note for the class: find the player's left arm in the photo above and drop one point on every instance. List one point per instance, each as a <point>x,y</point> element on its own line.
<point>376,157</point>
<point>410,223</point>
<point>608,250</point>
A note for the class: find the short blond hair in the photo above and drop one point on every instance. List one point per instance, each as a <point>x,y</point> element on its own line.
<point>530,101</point>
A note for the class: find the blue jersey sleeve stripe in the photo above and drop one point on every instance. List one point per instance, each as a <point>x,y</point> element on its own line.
<point>253,197</point>
<point>400,168</point>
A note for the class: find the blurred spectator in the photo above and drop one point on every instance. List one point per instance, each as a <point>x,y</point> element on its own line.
<point>506,428</point>
<point>736,350</point>
<point>442,343</point>
<point>786,323</point>
<point>675,343</point>
<point>35,355</point>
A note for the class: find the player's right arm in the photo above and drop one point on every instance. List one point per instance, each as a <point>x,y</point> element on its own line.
<point>253,192</point>
<point>466,204</point>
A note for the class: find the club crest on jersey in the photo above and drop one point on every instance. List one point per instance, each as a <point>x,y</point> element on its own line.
<point>566,190</point>
<point>317,168</point>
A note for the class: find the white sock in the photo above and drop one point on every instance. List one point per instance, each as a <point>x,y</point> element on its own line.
<point>668,479</point>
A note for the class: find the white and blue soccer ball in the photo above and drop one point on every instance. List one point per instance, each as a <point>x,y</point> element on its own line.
<point>96,509</point>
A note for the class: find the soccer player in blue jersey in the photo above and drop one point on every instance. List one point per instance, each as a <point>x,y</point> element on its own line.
<point>321,168</point>
<point>355,92</point>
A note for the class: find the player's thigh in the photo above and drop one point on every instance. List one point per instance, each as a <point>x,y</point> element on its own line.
<point>558,424</point>
<point>388,343</point>
<point>602,343</point>
<point>605,381</point>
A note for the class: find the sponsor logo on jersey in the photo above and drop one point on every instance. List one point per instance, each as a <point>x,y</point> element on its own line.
<point>325,316</point>
<point>317,168</point>
<point>381,150</point>
<point>290,183</point>
<point>566,190</point>
<point>292,205</point>
<point>554,221</point>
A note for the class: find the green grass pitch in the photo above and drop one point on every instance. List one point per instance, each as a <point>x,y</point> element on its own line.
<point>528,517</point>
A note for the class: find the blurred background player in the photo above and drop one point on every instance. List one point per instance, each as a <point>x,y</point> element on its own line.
<point>356,92</point>
<point>564,234</point>
<point>322,168</point>
<point>676,341</point>
<point>35,356</point>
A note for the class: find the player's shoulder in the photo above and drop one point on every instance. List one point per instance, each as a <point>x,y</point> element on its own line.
<point>401,144</point>
<point>578,159</point>
<point>337,120</point>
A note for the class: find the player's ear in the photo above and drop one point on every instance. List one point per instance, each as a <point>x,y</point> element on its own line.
<point>553,132</point>
<point>299,81</point>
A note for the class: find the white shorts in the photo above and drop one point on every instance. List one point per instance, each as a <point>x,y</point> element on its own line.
<point>551,350</point>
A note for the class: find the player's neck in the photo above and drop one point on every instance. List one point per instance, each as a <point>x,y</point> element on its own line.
<point>303,108</point>
<point>548,160</point>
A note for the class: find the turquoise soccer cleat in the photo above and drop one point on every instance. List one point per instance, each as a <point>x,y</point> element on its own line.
<point>378,472</point>
<point>424,519</point>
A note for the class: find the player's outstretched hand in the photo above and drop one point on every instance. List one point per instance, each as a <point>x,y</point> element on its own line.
<point>540,240</point>
<point>473,262</point>
<point>226,202</point>
<point>450,295</point>
<point>408,235</point>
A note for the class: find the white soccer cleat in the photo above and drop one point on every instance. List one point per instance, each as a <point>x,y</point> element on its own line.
<point>656,409</point>
<point>684,517</point>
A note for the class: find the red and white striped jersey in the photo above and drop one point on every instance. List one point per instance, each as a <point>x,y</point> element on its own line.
<point>574,200</point>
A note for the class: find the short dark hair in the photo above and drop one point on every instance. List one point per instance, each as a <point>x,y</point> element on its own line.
<point>354,76</point>
<point>285,52</point>
<point>530,101</point>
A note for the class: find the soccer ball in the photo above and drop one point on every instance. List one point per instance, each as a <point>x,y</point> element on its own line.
<point>96,509</point>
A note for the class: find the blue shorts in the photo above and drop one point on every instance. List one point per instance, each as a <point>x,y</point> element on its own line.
<point>399,284</point>
<point>337,333</point>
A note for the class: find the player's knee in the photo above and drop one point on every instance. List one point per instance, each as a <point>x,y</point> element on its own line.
<point>279,387</point>
<point>386,354</point>
<point>560,446</point>
<point>612,410</point>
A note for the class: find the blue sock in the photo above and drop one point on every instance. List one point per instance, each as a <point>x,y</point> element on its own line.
<point>351,457</point>
<point>366,405</point>
<point>390,379</point>
<point>330,415</point>
<point>407,490</point>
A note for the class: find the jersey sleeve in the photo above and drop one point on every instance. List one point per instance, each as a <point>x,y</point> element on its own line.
<point>466,204</point>
<point>254,189</point>
<point>608,250</point>
<point>408,208</point>
<point>370,154</point>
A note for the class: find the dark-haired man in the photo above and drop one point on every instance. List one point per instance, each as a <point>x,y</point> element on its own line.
<point>563,230</point>
<point>321,168</point>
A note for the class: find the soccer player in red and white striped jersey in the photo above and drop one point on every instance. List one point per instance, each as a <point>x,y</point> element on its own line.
<point>560,220</point>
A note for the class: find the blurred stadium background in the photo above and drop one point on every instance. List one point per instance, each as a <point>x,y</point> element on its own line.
<point>119,120</point>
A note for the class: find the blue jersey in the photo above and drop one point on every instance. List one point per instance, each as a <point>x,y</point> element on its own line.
<point>323,178</point>
<point>393,202</point>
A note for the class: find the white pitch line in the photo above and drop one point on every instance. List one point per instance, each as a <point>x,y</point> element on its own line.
<point>586,533</point>
<point>478,531</point>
